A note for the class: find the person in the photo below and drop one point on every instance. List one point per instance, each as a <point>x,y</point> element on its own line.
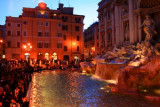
<point>148,27</point>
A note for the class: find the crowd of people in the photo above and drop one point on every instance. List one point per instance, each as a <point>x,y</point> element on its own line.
<point>15,77</point>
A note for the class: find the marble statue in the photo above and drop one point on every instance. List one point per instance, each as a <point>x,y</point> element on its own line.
<point>126,32</point>
<point>148,27</point>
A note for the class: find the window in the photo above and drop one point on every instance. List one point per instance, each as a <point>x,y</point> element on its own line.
<point>64,18</point>
<point>45,15</point>
<point>40,23</point>
<point>18,33</point>
<point>59,24</point>
<point>78,20</point>
<point>59,35</point>
<point>64,37</point>
<point>97,44</point>
<point>9,33</point>
<point>18,44</point>
<point>8,44</point>
<point>78,48</point>
<point>77,38</point>
<point>25,22</point>
<point>9,24</point>
<point>24,33</point>
<point>46,34</point>
<point>77,28</point>
<point>65,27</point>
<point>18,25</point>
<point>65,48</point>
<point>97,37</point>
<point>46,24</point>
<point>39,45</point>
<point>59,45</point>
<point>39,15</point>
<point>40,34</point>
<point>108,14</point>
<point>46,45</point>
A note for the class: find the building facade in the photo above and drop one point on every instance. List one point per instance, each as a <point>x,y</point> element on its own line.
<point>43,33</point>
<point>120,21</point>
<point>91,40</point>
<point>2,36</point>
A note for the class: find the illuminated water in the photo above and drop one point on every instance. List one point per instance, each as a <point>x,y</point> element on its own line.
<point>64,89</point>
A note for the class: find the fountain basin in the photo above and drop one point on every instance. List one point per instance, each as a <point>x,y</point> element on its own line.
<point>108,71</point>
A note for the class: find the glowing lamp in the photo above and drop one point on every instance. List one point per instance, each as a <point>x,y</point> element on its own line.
<point>1,41</point>
<point>74,43</point>
<point>93,48</point>
<point>42,5</point>
<point>30,47</point>
<point>24,46</point>
<point>29,44</point>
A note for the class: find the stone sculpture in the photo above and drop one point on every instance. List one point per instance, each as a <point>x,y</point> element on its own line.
<point>148,27</point>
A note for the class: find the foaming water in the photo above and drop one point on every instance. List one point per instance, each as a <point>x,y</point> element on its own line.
<point>65,89</point>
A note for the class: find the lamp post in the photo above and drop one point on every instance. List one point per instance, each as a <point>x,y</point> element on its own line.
<point>28,48</point>
<point>2,48</point>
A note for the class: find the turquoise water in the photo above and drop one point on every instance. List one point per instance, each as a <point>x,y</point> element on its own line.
<point>65,89</point>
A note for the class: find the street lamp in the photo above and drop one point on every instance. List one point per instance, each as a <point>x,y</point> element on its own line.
<point>1,41</point>
<point>27,47</point>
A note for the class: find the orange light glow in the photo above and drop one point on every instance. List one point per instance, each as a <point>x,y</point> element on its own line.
<point>1,41</point>
<point>42,5</point>
<point>31,47</point>
<point>73,43</point>
<point>24,46</point>
<point>29,44</point>
<point>93,48</point>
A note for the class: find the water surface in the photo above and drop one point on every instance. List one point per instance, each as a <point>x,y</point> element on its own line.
<point>65,89</point>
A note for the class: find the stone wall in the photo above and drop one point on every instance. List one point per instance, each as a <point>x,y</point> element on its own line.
<point>108,71</point>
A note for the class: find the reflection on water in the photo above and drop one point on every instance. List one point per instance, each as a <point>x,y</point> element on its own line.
<point>64,89</point>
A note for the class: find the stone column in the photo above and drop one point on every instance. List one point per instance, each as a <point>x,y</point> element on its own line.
<point>117,25</point>
<point>105,28</point>
<point>139,29</point>
<point>113,30</point>
<point>131,22</point>
<point>136,29</point>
